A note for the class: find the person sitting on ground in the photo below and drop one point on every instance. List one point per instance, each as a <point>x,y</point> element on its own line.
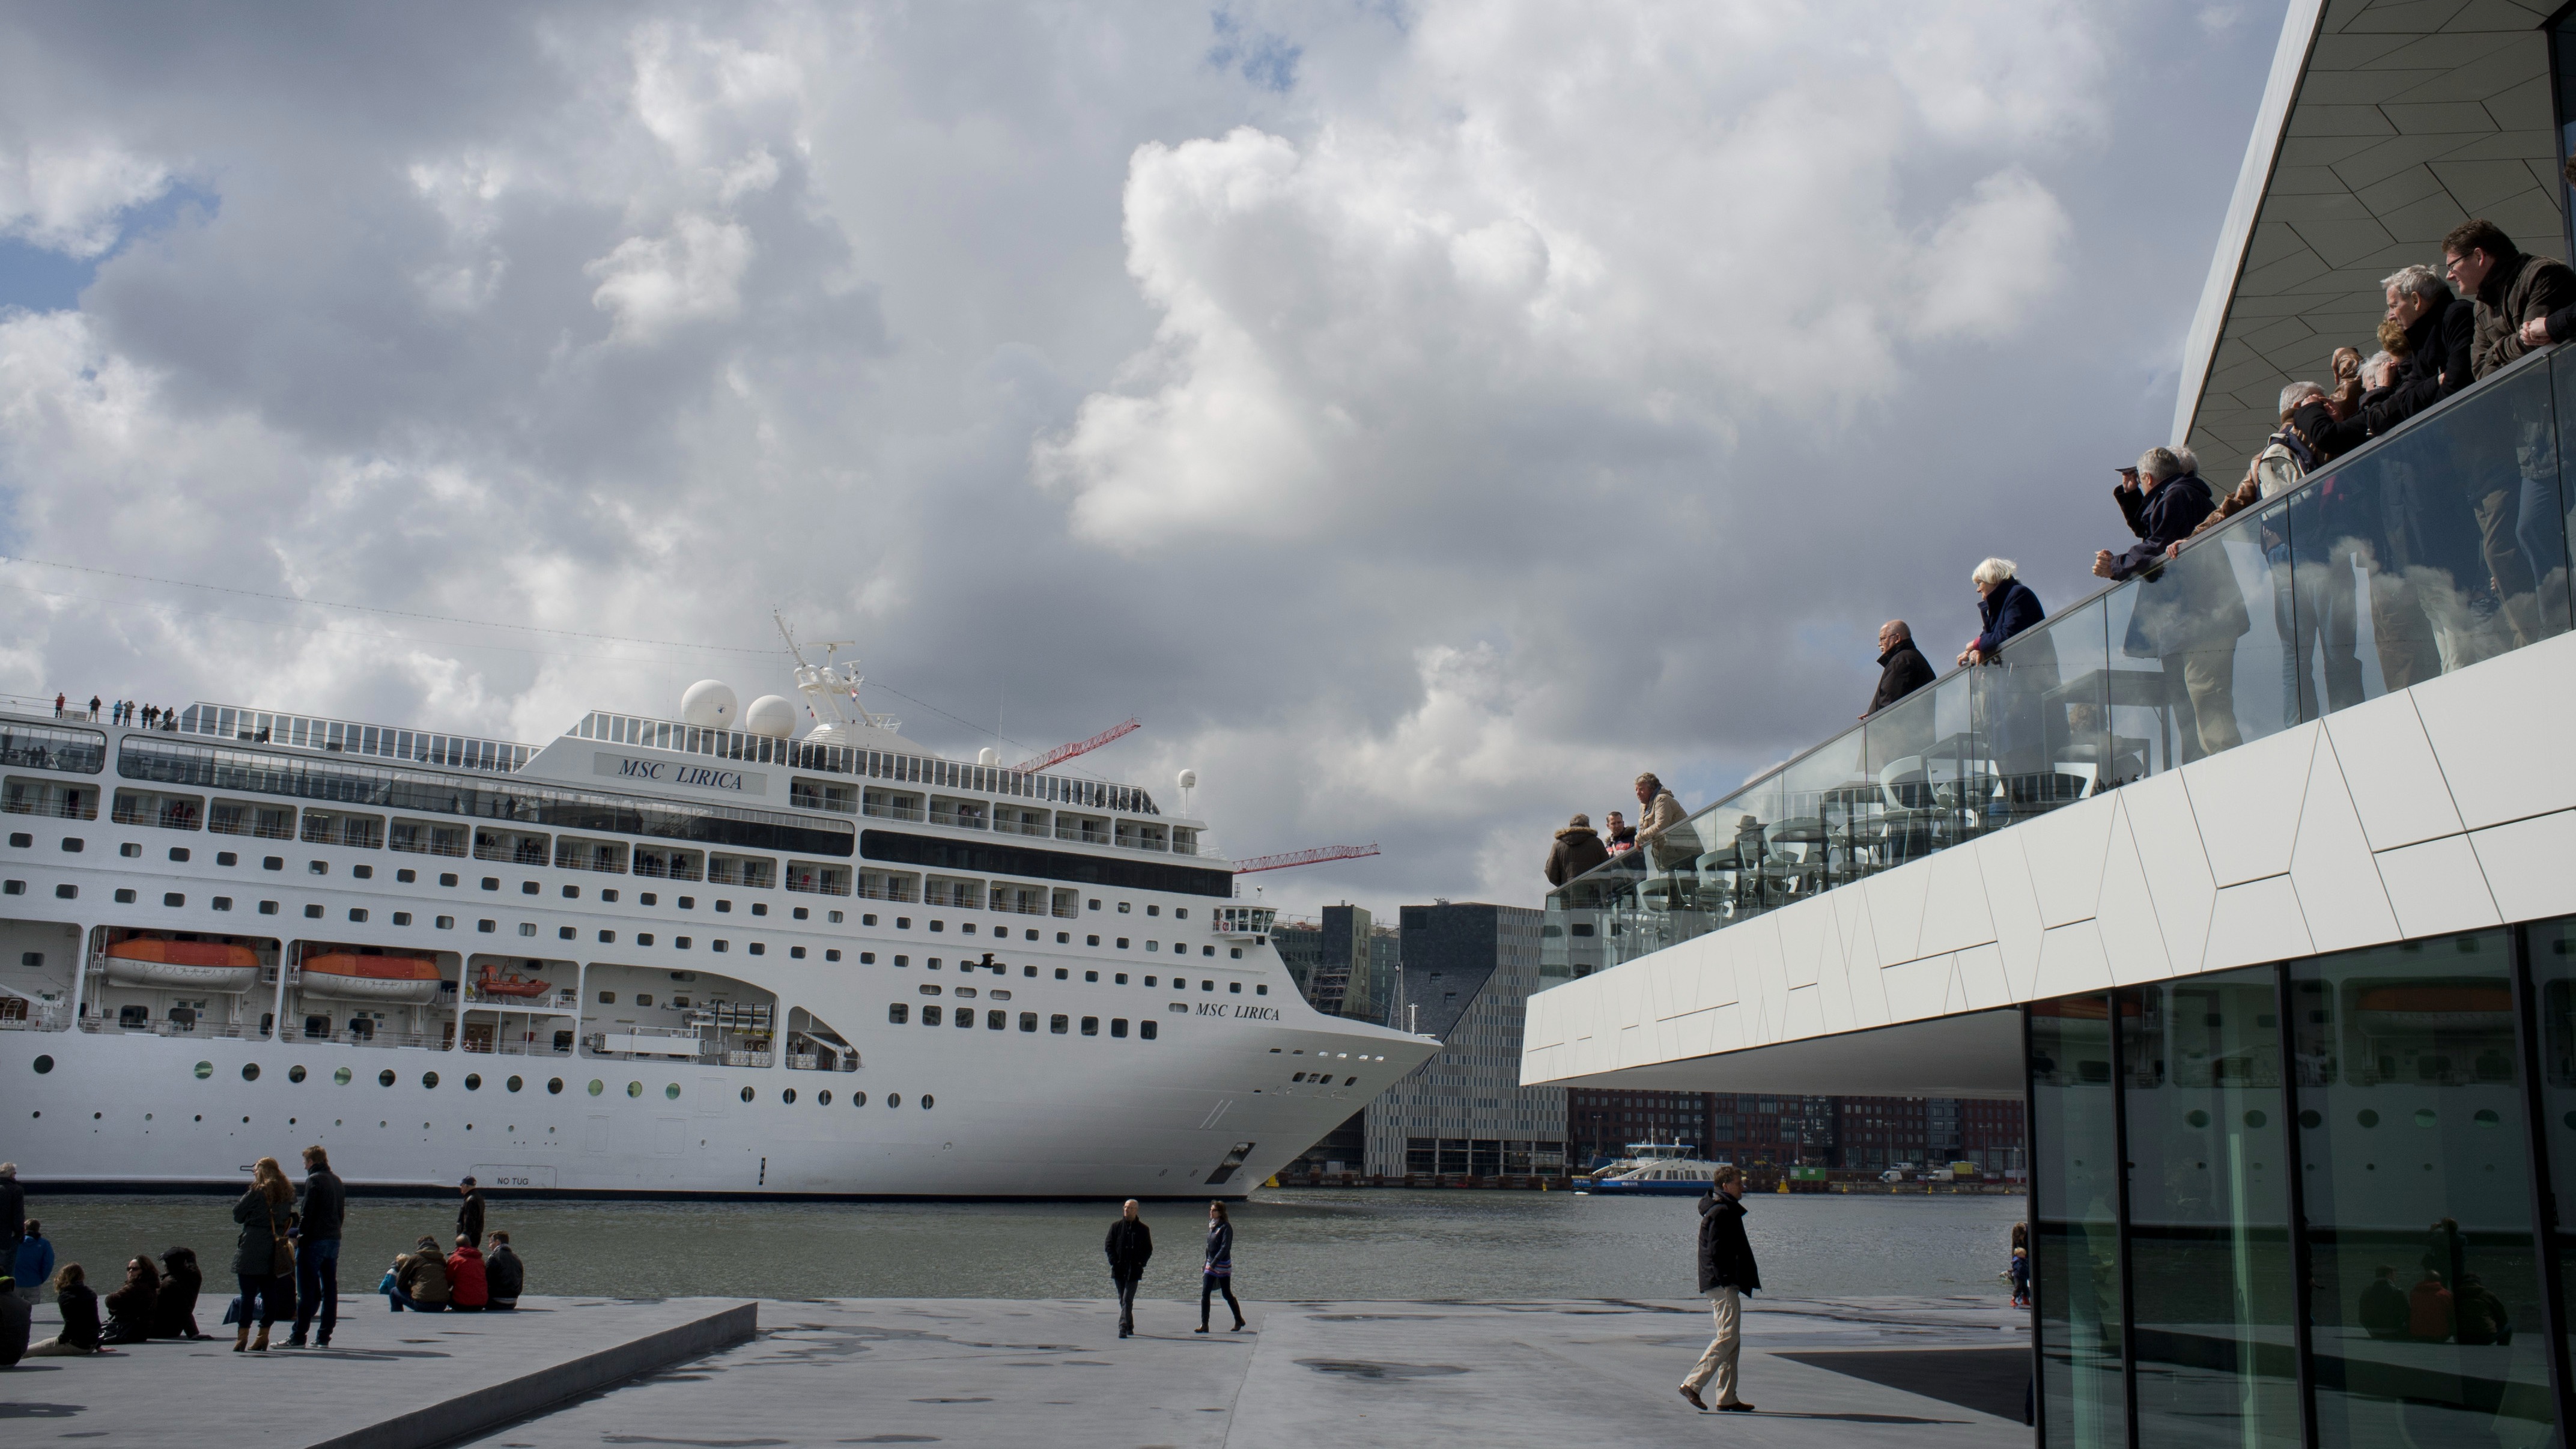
<point>1577,849</point>
<point>129,1308</point>
<point>2382,1311</point>
<point>2511,290</point>
<point>1902,669</point>
<point>1664,831</point>
<point>2478,1315</point>
<point>418,1280</point>
<point>34,1266</point>
<point>2428,1309</point>
<point>79,1307</point>
<point>16,1317</point>
<point>466,1292</point>
<point>2004,604</point>
<point>503,1274</point>
<point>174,1308</point>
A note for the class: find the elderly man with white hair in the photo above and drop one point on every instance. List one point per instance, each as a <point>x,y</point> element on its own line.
<point>2188,612</point>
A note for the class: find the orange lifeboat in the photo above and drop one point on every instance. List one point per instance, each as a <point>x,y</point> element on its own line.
<point>347,976</point>
<point>159,965</point>
<point>490,983</point>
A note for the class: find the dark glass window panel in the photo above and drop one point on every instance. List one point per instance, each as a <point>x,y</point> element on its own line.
<point>2075,1186</point>
<point>993,858</point>
<point>2414,1162</point>
<point>2553,971</point>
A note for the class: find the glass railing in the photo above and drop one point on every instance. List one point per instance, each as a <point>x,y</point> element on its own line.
<point>2432,547</point>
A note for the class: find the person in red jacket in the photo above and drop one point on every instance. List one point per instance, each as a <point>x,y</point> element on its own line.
<point>466,1289</point>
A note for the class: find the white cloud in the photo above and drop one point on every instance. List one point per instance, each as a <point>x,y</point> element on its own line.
<point>67,197</point>
<point>652,284</point>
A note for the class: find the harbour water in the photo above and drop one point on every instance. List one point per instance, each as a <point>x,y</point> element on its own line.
<point>1289,1244</point>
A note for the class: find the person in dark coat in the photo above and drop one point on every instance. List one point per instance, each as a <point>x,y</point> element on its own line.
<point>2010,700</point>
<point>2382,1310</point>
<point>2512,288</point>
<point>2512,485</point>
<point>78,1303</point>
<point>418,1279</point>
<point>1130,1246</point>
<point>1726,1273</point>
<point>16,1318</point>
<point>174,1308</point>
<point>2189,611</point>
<point>13,1214</point>
<point>1902,669</point>
<point>130,1307</point>
<point>469,1213</point>
<point>1577,849</point>
<point>2005,606</point>
<point>265,1212</point>
<point>1218,1274</point>
<point>317,1248</point>
<point>503,1274</point>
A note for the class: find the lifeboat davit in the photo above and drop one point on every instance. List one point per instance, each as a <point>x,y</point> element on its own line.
<point>492,984</point>
<point>346,976</point>
<point>160,965</point>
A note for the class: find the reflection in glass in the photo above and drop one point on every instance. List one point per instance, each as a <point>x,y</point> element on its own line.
<point>2414,1161</point>
<point>2075,1208</point>
<point>2553,972</point>
<point>2209,1212</point>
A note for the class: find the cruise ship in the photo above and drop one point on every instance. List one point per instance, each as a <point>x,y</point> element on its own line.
<point>665,958</point>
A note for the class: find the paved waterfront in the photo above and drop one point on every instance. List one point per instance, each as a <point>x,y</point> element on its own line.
<point>1054,1373</point>
<point>392,1381</point>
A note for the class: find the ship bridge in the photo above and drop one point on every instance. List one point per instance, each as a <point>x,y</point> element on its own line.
<point>2253,877</point>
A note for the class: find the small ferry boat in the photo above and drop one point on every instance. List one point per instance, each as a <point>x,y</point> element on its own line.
<point>1655,1169</point>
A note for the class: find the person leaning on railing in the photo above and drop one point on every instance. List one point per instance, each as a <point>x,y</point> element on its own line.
<point>1664,831</point>
<point>2188,617</point>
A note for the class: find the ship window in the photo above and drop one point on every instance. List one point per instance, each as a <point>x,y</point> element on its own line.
<point>1207,986</point>
<point>1091,1026</point>
<point>527,928</point>
<point>688,903</point>
<point>1153,910</point>
<point>1117,1026</point>
<point>788,1096</point>
<point>1120,979</point>
<point>448,879</point>
<point>795,953</point>
<point>527,887</point>
<point>930,1016</point>
<point>966,991</point>
<point>268,908</point>
<point>1091,976</point>
<point>1182,1007</point>
<point>898,1013</point>
<point>1063,938</point>
<point>358,913</point>
<point>608,998</point>
<point>1123,908</point>
<point>608,938</point>
<point>13,888</point>
<point>1122,943</point>
<point>1149,981</point>
<point>1237,952</point>
<point>797,913</point>
<point>1062,974</point>
<point>402,918</point>
<point>406,875</point>
<point>1261,990</point>
<point>643,998</point>
<point>491,882</point>
<point>1180,913</point>
<point>130,850</point>
<point>226,857</point>
<point>179,853</point>
<point>570,892</point>
<point>445,923</point>
<point>272,862</point>
<point>1028,1021</point>
<point>930,988</point>
<point>1146,1029</point>
<point>1299,1077</point>
<point>761,908</point>
<point>724,907</point>
<point>562,933</point>
<point>1234,988</point>
<point>126,898</point>
<point>965,1016</point>
<point>643,938</point>
<point>312,913</point>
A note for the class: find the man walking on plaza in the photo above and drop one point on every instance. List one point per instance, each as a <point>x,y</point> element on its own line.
<point>1726,1273</point>
<point>1130,1245</point>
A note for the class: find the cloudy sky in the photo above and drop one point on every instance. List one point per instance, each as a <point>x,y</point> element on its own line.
<point>1423,415</point>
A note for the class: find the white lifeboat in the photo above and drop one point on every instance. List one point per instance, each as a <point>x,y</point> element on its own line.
<point>159,965</point>
<point>347,976</point>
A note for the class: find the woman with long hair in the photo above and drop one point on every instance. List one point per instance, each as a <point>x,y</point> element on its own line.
<point>263,1213</point>
<point>1218,1275</point>
<point>130,1307</point>
<point>79,1306</point>
<point>174,1308</point>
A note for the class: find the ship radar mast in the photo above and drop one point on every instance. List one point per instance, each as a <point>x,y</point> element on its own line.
<point>831,693</point>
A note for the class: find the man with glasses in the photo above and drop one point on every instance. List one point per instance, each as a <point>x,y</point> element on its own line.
<point>2515,504</point>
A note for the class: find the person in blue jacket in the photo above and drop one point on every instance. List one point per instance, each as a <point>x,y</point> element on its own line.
<point>35,1263</point>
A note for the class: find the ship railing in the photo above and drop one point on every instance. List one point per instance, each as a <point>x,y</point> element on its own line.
<point>657,871</point>
<point>219,825</point>
<point>959,819</point>
<point>813,1062</point>
<point>1038,828</point>
<point>897,893</point>
<point>1081,834</point>
<point>808,800</point>
<point>480,1047</point>
<point>880,811</point>
<point>110,1026</point>
<point>51,809</point>
<point>1013,908</point>
<point>1064,913</point>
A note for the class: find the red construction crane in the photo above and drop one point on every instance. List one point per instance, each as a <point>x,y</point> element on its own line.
<point>1062,753</point>
<point>1315,856</point>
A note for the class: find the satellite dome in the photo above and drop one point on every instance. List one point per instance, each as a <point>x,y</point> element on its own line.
<point>710,705</point>
<point>988,756</point>
<point>1189,779</point>
<point>770,715</point>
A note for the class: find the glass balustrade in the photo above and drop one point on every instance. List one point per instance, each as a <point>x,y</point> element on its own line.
<point>2428,549</point>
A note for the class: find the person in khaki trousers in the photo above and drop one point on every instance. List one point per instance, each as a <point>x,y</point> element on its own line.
<point>1726,1274</point>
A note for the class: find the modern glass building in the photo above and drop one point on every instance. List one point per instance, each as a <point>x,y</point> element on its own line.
<point>2253,877</point>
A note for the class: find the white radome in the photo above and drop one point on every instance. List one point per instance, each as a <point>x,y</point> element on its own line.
<point>1189,779</point>
<point>988,757</point>
<point>771,715</point>
<point>710,705</point>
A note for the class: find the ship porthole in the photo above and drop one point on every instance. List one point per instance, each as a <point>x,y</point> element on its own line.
<point>747,1094</point>
<point>926,1100</point>
<point>554,1086</point>
<point>824,1097</point>
<point>635,1089</point>
<point>295,1073</point>
<point>474,1081</point>
<point>250,1071</point>
<point>894,1099</point>
<point>597,1086</point>
<point>513,1084</point>
<point>46,1064</point>
<point>204,1069</point>
<point>428,1080</point>
<point>341,1076</point>
<point>672,1091</point>
<point>788,1096</point>
<point>860,1099</point>
<point>385,1078</point>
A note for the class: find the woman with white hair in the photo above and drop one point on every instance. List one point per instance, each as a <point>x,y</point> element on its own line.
<point>2005,605</point>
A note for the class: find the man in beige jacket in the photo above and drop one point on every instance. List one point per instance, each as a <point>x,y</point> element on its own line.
<point>1663,831</point>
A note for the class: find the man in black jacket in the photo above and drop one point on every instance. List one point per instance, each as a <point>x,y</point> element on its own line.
<point>469,1212</point>
<point>2190,612</point>
<point>317,1255</point>
<point>1130,1245</point>
<point>1726,1273</point>
<point>13,1214</point>
<point>1902,669</point>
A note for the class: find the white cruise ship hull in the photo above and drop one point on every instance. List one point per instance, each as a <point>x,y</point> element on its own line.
<point>806,1084</point>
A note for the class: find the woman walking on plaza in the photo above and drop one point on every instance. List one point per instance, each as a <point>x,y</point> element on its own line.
<point>263,1213</point>
<point>1218,1275</point>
